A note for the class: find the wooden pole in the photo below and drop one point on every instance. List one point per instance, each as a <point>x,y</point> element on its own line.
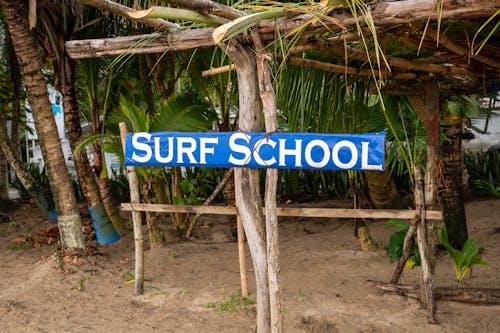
<point>268,98</point>
<point>430,195</point>
<point>247,181</point>
<point>136,219</point>
<point>427,278</point>
<point>242,257</point>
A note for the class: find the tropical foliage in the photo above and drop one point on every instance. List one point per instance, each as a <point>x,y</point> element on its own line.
<point>395,249</point>
<point>464,259</point>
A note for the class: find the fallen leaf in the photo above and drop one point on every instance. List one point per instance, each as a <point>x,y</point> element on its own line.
<point>22,239</point>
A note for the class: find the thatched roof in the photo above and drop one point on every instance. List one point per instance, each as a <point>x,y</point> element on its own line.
<point>459,43</point>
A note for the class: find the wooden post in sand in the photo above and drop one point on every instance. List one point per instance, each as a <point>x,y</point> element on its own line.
<point>136,219</point>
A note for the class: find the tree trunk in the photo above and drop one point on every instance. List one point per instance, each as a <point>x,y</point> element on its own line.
<point>156,237</point>
<point>452,191</point>
<point>247,183</point>
<point>4,178</point>
<point>382,189</point>
<point>12,157</point>
<point>105,232</point>
<point>70,226</point>
<point>15,76</point>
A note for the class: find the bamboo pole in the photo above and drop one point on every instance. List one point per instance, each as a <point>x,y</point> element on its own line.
<point>289,211</point>
<point>136,219</point>
<point>218,70</point>
<point>242,257</point>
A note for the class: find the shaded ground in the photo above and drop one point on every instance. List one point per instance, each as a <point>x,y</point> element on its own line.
<point>323,282</point>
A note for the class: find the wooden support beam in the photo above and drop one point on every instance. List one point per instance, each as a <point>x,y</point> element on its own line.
<point>140,44</point>
<point>287,211</point>
<point>400,63</point>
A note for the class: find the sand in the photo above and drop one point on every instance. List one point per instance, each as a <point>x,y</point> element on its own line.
<point>323,281</point>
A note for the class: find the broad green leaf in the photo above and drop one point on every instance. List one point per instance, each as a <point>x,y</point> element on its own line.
<point>398,223</point>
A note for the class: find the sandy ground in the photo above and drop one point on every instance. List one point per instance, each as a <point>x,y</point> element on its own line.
<point>323,282</point>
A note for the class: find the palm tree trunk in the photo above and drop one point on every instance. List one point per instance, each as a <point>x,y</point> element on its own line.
<point>23,41</point>
<point>382,189</point>
<point>105,232</point>
<point>15,76</point>
<point>13,158</point>
<point>361,230</point>
<point>451,192</point>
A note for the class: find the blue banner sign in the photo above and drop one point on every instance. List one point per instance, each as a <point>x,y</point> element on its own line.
<point>257,150</point>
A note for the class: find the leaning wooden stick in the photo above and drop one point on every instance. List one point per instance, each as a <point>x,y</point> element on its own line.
<point>208,201</point>
<point>407,246</point>
<point>137,220</point>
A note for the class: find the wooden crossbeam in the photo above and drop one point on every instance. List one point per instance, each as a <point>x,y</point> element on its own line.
<point>288,211</point>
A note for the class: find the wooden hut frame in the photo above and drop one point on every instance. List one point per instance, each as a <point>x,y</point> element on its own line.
<point>254,86</point>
